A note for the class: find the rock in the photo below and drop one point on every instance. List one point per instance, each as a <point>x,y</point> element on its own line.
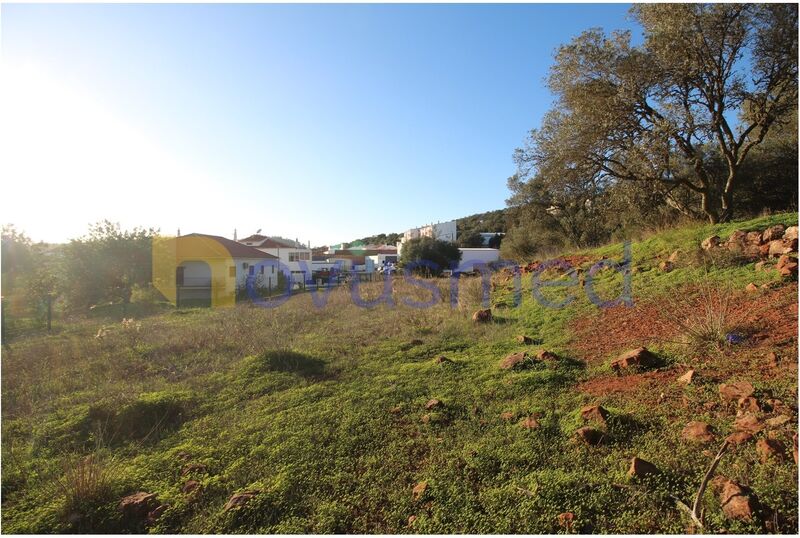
<point>507,415</point>
<point>789,245</point>
<point>419,490</point>
<point>544,355</point>
<point>790,233</point>
<point>441,359</point>
<point>778,421</point>
<point>566,520</point>
<point>773,233</point>
<point>138,505</point>
<point>737,239</point>
<point>737,501</point>
<point>155,513</point>
<point>425,419</point>
<point>641,468</point>
<point>516,361</point>
<point>753,238</point>
<point>772,359</point>
<point>710,242</point>
<point>770,448</point>
<point>736,390</point>
<point>596,413</point>
<point>411,520</point>
<point>776,249</point>
<point>589,436</point>
<point>787,266</point>
<point>759,266</point>
<point>751,287</point>
<point>697,431</point>
<point>686,379</point>
<point>396,409</point>
<point>240,499</point>
<point>639,357</point>
<point>193,468</point>
<point>526,340</point>
<point>674,257</point>
<point>666,266</point>
<point>190,486</point>
<point>482,316</point>
<point>530,423</point>
<point>433,402</point>
<point>749,403</point>
<point>748,423</point>
<point>738,438</point>
<point>763,250</point>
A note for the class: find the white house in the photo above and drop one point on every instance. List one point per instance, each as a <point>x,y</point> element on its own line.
<point>289,252</point>
<point>470,257</point>
<point>443,231</point>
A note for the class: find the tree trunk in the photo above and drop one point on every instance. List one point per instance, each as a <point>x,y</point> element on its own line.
<point>708,208</point>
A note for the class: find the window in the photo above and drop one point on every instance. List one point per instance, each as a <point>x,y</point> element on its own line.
<point>297,256</point>
<point>262,269</point>
<point>252,270</point>
<point>244,265</point>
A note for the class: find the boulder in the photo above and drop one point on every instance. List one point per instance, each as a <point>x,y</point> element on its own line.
<point>240,499</point>
<point>589,436</point>
<point>770,449</point>
<point>482,316</point>
<point>697,432</point>
<point>737,501</point>
<point>516,361</point>
<point>419,490</point>
<point>710,242</point>
<point>595,413</point>
<point>639,357</point>
<point>640,468</point>
<point>686,379</point>
<point>138,505</point>
<point>735,391</point>
<point>773,233</point>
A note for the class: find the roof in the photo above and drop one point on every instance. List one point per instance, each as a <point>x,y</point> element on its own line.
<point>234,249</point>
<point>262,241</point>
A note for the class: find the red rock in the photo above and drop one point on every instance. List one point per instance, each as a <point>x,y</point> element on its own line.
<point>530,423</point>
<point>419,490</point>
<point>777,422</point>
<point>482,316</point>
<point>238,500</point>
<point>544,355</point>
<point>769,448</point>
<point>508,415</point>
<point>790,233</point>
<point>596,413</point>
<point>753,238</point>
<point>738,438</point>
<point>737,501</point>
<point>710,242</point>
<point>697,431</point>
<point>640,468</point>
<point>516,361</point>
<point>433,402</point>
<point>138,505</point>
<point>776,248</point>
<point>639,357</point>
<point>687,378</point>
<point>748,423</point>
<point>411,519</point>
<point>735,391</point>
<point>737,239</point>
<point>749,404</point>
<point>773,233</point>
<point>751,287</point>
<point>589,436</point>
<point>566,520</point>
<point>763,250</point>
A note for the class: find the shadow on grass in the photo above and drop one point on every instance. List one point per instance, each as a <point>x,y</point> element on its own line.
<point>291,362</point>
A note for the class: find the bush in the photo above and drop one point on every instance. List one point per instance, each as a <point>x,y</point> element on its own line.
<point>429,256</point>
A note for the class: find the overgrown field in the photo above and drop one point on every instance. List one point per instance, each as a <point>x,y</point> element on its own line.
<point>326,415</point>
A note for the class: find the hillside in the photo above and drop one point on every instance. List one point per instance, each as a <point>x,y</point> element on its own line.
<point>404,420</point>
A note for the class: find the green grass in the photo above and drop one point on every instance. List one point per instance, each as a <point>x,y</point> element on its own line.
<point>323,411</point>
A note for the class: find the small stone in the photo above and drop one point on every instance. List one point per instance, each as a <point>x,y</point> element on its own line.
<point>773,359</point>
<point>778,421</point>
<point>516,361</point>
<point>441,359</point>
<point>190,486</point>
<point>433,402</point>
<point>735,391</point>
<point>738,438</point>
<point>193,468</point>
<point>411,520</point>
<point>674,256</point>
<point>508,415</point>
<point>749,404</point>
<point>697,431</point>
<point>596,413</point>
<point>529,423</point>
<point>639,357</point>
<point>419,490</point>
<point>544,355</point>
<point>748,423</point>
<point>770,448</point>
<point>526,340</point>
<point>751,287</point>
<point>773,233</point>
<point>589,436</point>
<point>238,500</point>
<point>737,501</point>
<point>425,419</point>
<point>710,242</point>
<point>640,468</point>
<point>138,505</point>
<point>686,379</point>
<point>666,266</point>
<point>155,513</point>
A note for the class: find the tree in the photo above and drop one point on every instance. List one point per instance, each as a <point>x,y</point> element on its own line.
<point>107,264</point>
<point>471,240</point>
<point>424,251</point>
<point>665,113</point>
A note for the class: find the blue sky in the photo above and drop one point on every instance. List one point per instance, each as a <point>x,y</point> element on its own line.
<point>321,122</point>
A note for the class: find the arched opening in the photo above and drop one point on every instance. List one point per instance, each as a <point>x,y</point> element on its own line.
<point>193,284</point>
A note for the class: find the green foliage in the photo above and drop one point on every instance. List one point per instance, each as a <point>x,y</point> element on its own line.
<point>426,250</point>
